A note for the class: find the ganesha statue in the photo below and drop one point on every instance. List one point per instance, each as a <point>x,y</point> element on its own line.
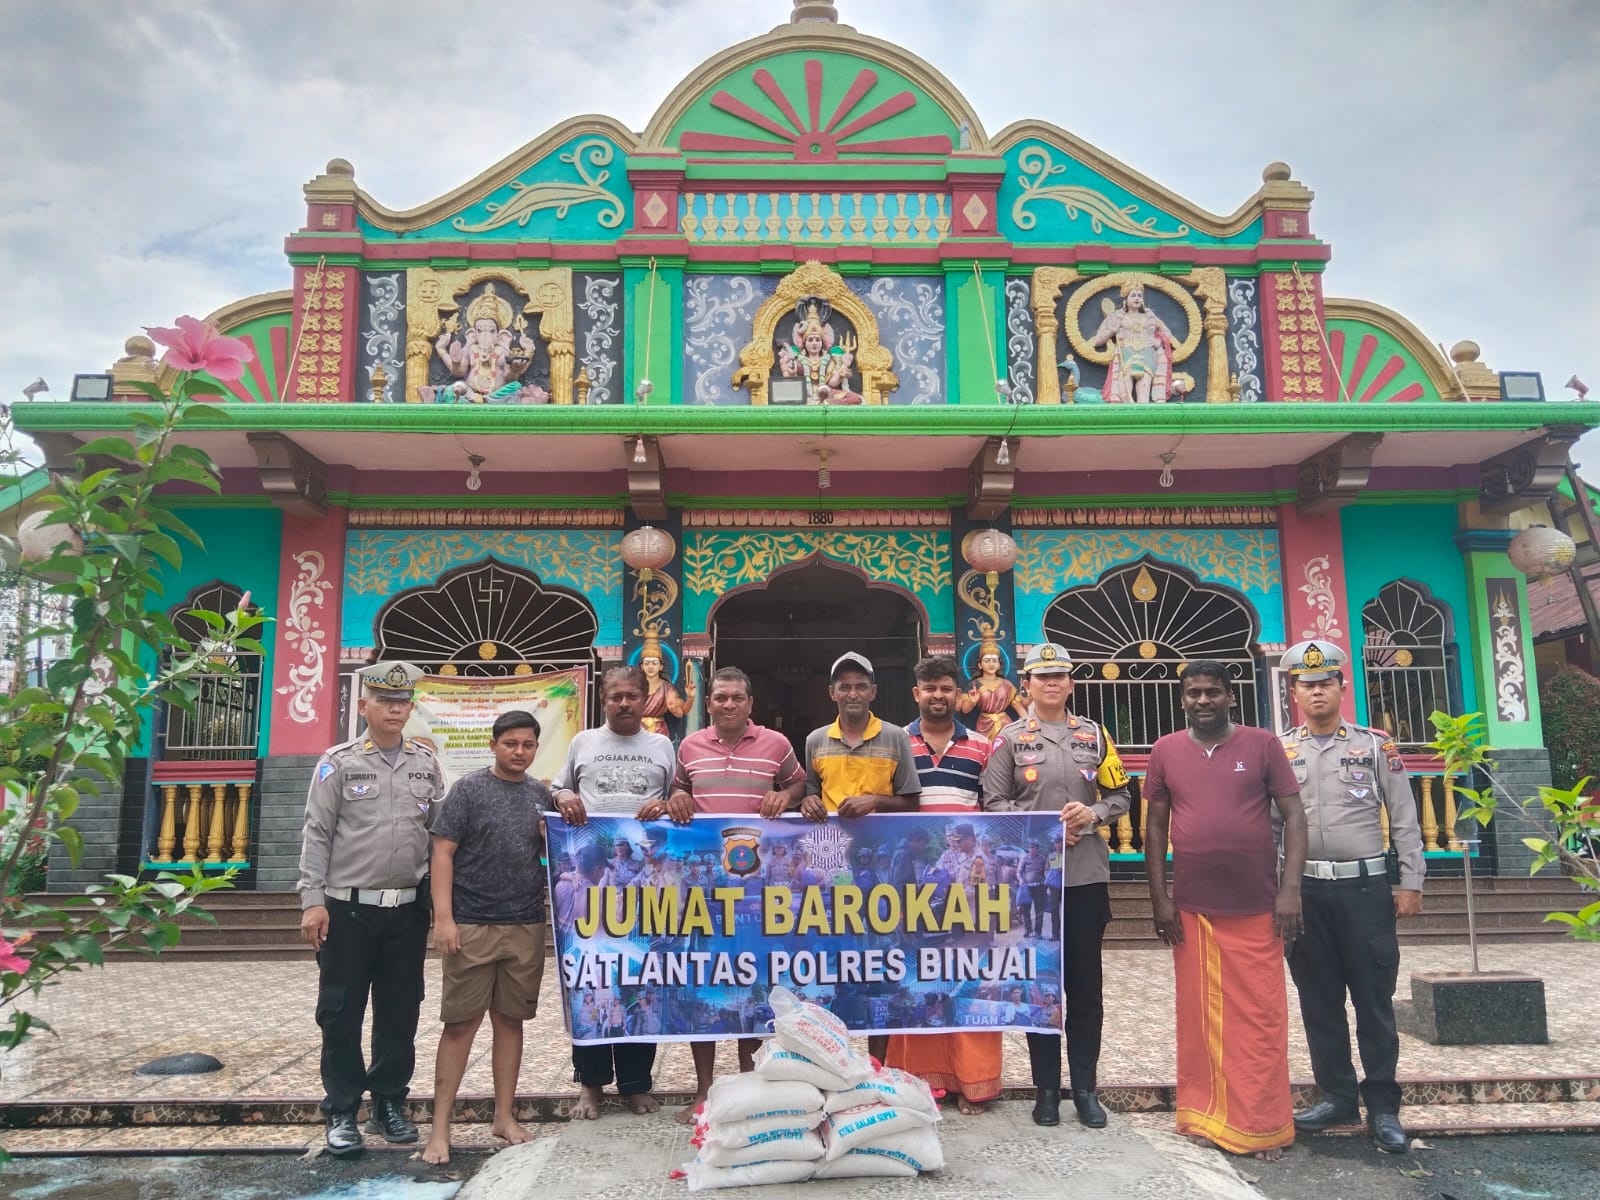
<point>488,359</point>
<point>821,361</point>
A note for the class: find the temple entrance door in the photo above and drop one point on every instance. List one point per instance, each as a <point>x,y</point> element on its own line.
<point>786,635</point>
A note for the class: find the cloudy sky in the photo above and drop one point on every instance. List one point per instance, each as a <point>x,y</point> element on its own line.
<point>152,152</point>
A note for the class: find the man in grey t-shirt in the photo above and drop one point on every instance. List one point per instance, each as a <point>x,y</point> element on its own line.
<point>619,769</point>
<point>488,921</point>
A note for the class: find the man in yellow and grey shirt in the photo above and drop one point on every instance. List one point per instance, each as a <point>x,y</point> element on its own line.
<point>858,765</point>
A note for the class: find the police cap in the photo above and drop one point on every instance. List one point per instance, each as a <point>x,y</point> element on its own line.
<point>391,680</point>
<point>1312,661</point>
<point>1047,658</point>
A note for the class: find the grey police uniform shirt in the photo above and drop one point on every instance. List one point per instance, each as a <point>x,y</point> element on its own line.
<point>1343,784</point>
<point>1037,766</point>
<point>366,821</point>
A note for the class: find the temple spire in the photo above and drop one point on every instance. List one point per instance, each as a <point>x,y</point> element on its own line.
<point>813,10</point>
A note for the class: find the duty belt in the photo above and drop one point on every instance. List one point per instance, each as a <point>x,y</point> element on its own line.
<point>382,897</point>
<point>1321,868</point>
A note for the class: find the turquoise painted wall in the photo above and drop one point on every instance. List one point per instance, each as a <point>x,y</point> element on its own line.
<point>1385,542</point>
<point>242,548</point>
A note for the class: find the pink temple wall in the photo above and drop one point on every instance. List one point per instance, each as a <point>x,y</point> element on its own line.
<point>1315,603</point>
<point>305,673</point>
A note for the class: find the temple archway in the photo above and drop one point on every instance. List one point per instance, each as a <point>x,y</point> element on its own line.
<point>1131,633</point>
<point>786,633</point>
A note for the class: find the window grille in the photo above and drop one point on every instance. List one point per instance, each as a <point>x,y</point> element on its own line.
<point>1409,662</point>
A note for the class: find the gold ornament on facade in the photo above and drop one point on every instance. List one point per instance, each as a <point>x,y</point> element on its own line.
<point>813,280</point>
<point>433,305</point>
<point>1035,165</point>
<point>1147,649</point>
<point>522,669</point>
<point>487,651</point>
<point>1144,587</point>
<point>1046,286</point>
<point>449,669</point>
<point>1110,670</point>
<point>1403,658</point>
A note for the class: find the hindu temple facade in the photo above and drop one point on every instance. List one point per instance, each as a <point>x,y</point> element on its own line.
<point>816,362</point>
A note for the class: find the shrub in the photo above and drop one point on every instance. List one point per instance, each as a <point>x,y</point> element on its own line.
<point>1571,703</point>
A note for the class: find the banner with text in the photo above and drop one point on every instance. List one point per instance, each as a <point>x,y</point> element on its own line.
<point>455,714</point>
<point>897,923</point>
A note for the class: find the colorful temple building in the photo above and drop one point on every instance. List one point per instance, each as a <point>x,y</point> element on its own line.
<point>816,362</point>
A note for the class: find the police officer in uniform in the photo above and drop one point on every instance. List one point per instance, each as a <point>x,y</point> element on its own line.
<point>1054,761</point>
<point>365,906</point>
<point>1348,775</point>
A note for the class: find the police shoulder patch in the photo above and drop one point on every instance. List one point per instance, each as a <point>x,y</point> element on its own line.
<point>324,769</point>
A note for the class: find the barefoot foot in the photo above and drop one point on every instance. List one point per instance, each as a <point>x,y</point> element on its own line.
<point>437,1151</point>
<point>971,1108</point>
<point>509,1131</point>
<point>1272,1155</point>
<point>587,1105</point>
<point>686,1117</point>
<point>641,1103</point>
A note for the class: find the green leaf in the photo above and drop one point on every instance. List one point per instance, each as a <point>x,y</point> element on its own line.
<point>205,412</point>
<point>119,447</point>
<point>164,546</point>
<point>149,389</point>
<point>73,841</point>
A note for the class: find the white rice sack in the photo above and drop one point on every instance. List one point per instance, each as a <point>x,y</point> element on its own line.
<point>737,1134</point>
<point>775,1063</point>
<point>815,1032</point>
<point>860,1163</point>
<point>891,1086</point>
<point>779,1144</point>
<point>901,1154</point>
<point>746,1097</point>
<point>703,1178</point>
<point>844,1131</point>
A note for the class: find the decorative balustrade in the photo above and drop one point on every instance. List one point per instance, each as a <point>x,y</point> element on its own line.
<point>203,814</point>
<point>821,218</point>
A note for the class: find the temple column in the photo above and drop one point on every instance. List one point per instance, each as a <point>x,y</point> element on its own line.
<point>1315,603</point>
<point>305,669</point>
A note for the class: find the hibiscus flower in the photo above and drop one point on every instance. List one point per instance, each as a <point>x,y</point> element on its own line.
<point>197,346</point>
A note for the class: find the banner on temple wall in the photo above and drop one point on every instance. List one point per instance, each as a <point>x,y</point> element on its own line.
<point>897,923</point>
<point>456,715</point>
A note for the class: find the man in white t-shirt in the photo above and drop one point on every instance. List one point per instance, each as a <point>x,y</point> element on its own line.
<point>619,769</point>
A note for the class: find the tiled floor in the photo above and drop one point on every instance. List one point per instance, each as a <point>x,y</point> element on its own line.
<point>257,1018</point>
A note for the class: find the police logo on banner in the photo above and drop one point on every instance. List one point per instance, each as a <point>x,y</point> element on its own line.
<point>741,850</point>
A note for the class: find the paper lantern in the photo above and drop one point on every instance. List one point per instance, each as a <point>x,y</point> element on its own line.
<point>39,533</point>
<point>648,549</point>
<point>989,551</point>
<point>1539,551</point>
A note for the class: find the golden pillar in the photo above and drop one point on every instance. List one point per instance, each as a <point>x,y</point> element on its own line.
<point>241,825</point>
<point>1430,820</point>
<point>1124,834</point>
<point>214,832</point>
<point>167,839</point>
<point>1449,834</point>
<point>192,818</point>
<point>1047,282</point>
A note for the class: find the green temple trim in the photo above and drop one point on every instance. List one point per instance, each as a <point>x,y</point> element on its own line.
<point>954,420</point>
<point>350,500</point>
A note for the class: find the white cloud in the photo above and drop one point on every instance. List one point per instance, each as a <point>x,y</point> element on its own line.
<point>152,155</point>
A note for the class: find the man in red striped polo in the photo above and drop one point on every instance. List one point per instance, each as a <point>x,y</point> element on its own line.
<point>732,766</point>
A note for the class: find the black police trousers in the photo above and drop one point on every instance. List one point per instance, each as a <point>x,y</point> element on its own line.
<point>1085,913</point>
<point>1349,945</point>
<point>376,950</point>
<point>630,1063</point>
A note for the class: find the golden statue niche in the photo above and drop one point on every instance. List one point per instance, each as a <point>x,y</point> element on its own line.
<point>493,348</point>
<point>823,365</point>
<point>1141,354</point>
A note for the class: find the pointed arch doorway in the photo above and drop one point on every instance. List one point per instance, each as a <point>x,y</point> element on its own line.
<point>786,633</point>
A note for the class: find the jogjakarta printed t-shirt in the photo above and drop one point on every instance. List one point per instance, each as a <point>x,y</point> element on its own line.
<point>1224,854</point>
<point>614,774</point>
<point>499,878</point>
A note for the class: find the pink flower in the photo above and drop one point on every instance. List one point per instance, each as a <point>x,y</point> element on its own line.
<point>197,346</point>
<point>10,960</point>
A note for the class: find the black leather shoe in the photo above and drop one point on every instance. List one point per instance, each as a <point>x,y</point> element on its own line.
<point>1387,1133</point>
<point>343,1136</point>
<point>1325,1114</point>
<point>1090,1113</point>
<point>389,1119</point>
<point>1047,1107</point>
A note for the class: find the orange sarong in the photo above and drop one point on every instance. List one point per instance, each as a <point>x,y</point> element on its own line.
<point>968,1063</point>
<point>1233,1033</point>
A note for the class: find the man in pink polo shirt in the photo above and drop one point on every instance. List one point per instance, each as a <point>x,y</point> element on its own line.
<point>732,766</point>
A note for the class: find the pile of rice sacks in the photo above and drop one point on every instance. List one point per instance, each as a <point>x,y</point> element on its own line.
<point>813,1109</point>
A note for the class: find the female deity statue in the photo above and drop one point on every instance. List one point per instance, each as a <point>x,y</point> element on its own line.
<point>486,359</point>
<point>991,693</point>
<point>1141,370</point>
<point>661,698</point>
<point>822,366</point>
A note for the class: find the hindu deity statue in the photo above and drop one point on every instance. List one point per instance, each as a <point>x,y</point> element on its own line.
<point>819,360</point>
<point>991,693</point>
<point>661,698</point>
<point>1141,370</point>
<point>489,359</point>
